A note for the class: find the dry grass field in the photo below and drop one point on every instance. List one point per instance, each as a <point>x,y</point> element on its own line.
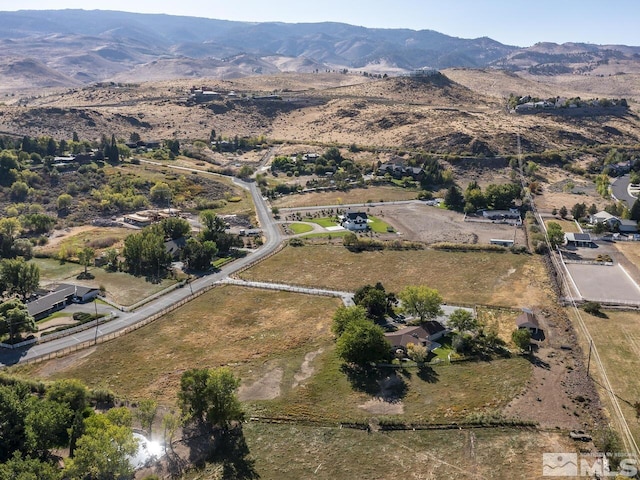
<point>227,326</point>
<point>328,453</point>
<point>353,196</point>
<point>617,338</point>
<point>460,277</point>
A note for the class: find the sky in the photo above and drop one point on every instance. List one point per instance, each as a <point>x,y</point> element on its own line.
<point>513,22</point>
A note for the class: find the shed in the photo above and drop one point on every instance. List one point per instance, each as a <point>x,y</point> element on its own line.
<point>578,239</point>
<point>528,320</point>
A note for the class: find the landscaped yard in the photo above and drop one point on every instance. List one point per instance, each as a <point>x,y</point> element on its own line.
<point>324,222</point>
<point>377,225</point>
<point>299,228</point>
<point>461,277</point>
<point>568,226</point>
<point>122,288</point>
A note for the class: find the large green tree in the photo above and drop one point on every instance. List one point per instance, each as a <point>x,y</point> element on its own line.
<point>145,253</point>
<point>19,277</point>
<point>209,396</point>
<point>343,316</point>
<point>422,301</point>
<point>555,234</point>
<point>363,343</point>
<point>198,255</point>
<point>103,451</point>
<point>463,321</point>
<point>15,319</point>
<point>374,299</point>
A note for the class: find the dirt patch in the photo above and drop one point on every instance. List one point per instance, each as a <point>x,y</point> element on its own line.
<point>306,369</point>
<point>423,223</point>
<point>266,388</point>
<point>57,236</point>
<point>61,364</point>
<point>380,406</point>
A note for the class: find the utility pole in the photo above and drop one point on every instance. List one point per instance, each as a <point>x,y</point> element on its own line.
<point>95,304</point>
<point>589,358</point>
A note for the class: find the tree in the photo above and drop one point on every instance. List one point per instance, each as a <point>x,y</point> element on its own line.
<point>103,451</point>
<point>69,391</point>
<point>555,234</point>
<point>12,420</point>
<point>578,211</point>
<point>19,277</point>
<point>19,467</point>
<point>10,228</point>
<point>14,319</point>
<point>245,172</point>
<point>593,308</point>
<point>563,212</point>
<point>85,257</point>
<point>554,212</point>
<point>175,227</point>
<point>343,316</point>
<point>160,193</point>
<point>521,337</point>
<point>64,202</point>
<point>362,343</point>
<point>453,199</point>
<point>19,191</point>
<point>592,209</point>
<point>145,253</point>
<point>374,299</point>
<point>145,413</point>
<point>421,301</point>
<point>170,423</point>
<point>501,197</point>
<point>463,321</point>
<point>198,255</point>
<point>209,396</point>
<point>47,425</point>
<point>111,257</point>
<point>634,214</point>
<point>416,352</point>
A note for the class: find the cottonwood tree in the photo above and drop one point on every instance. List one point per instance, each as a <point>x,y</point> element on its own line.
<point>208,397</point>
<point>343,316</point>
<point>85,257</point>
<point>522,338</point>
<point>145,413</point>
<point>555,234</point>
<point>463,321</point>
<point>421,301</point>
<point>363,343</point>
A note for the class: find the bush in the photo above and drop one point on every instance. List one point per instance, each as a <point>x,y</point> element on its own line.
<point>592,308</point>
<point>296,242</point>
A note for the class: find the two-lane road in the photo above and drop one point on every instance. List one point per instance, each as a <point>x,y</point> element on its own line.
<point>274,238</point>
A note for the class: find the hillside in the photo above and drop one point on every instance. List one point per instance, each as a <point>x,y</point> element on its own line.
<point>465,116</point>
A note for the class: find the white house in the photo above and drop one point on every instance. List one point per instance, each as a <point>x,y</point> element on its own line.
<point>355,221</point>
<point>600,217</point>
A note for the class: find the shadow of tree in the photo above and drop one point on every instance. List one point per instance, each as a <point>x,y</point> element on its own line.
<point>232,453</point>
<point>380,381</point>
<point>427,374</point>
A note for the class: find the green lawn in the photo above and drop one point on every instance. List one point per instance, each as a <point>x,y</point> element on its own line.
<point>324,222</point>
<point>299,228</point>
<point>378,225</point>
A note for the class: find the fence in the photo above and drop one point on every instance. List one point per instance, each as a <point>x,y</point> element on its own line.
<point>62,333</point>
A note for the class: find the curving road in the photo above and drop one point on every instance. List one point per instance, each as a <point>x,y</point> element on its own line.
<point>124,320</point>
<point>620,190</point>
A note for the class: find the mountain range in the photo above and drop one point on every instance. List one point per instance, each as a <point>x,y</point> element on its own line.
<point>76,47</point>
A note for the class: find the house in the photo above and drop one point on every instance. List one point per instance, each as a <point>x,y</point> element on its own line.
<point>616,224</point>
<point>600,217</point>
<point>355,221</point>
<point>138,220</point>
<point>578,239</point>
<point>398,170</point>
<point>425,334</point>
<point>174,247</point>
<point>528,320</point>
<point>59,298</point>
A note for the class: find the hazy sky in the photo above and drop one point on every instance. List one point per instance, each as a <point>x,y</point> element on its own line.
<point>514,22</point>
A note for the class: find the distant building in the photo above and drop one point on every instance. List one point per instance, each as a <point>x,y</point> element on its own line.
<point>355,221</point>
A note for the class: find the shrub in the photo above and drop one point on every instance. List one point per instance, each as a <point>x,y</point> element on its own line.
<point>592,308</point>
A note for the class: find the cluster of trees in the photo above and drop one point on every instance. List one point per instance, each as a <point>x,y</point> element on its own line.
<point>330,161</point>
<point>471,337</point>
<point>18,277</point>
<point>35,419</point>
<point>494,197</point>
<point>145,252</point>
<point>359,341</point>
<point>15,319</point>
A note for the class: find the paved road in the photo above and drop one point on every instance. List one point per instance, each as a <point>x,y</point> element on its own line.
<point>274,238</point>
<point>620,190</point>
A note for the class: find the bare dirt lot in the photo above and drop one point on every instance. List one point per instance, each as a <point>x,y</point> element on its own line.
<point>423,223</point>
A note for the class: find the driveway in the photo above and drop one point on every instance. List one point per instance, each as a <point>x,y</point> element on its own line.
<point>620,190</point>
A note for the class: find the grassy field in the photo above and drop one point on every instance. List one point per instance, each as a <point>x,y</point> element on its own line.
<point>461,277</point>
<point>452,391</point>
<point>617,339</point>
<point>299,228</point>
<point>226,326</point>
<point>377,225</point>
<point>568,226</point>
<point>288,452</point>
<point>356,195</point>
<point>631,250</point>
<point>98,238</point>
<point>121,287</point>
